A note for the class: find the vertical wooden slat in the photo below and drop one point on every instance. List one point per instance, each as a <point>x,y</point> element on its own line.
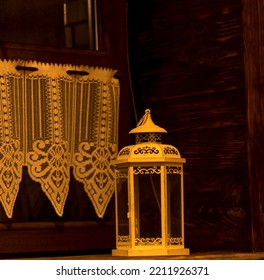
<point>253,18</point>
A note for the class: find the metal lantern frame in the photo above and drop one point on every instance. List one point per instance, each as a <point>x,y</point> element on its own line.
<point>149,159</point>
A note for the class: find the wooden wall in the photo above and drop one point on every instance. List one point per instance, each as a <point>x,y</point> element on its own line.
<point>187,65</point>
<point>253,15</point>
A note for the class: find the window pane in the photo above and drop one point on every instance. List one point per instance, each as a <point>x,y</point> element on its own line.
<point>174,205</point>
<point>147,206</point>
<point>122,208</point>
<point>55,23</point>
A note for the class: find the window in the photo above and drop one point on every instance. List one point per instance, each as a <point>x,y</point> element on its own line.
<point>54,23</point>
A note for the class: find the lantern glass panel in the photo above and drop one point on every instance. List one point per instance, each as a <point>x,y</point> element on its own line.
<point>122,208</point>
<point>174,179</point>
<point>147,206</point>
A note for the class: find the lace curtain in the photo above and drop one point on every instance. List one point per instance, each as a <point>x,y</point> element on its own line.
<point>53,117</point>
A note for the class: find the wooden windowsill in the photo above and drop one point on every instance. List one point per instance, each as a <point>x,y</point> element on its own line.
<point>195,256</point>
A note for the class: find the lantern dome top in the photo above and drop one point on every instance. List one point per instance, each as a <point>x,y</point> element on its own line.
<point>146,125</point>
<point>148,147</point>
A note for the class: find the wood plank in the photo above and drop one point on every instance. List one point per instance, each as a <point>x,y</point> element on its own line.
<point>195,46</point>
<point>253,17</point>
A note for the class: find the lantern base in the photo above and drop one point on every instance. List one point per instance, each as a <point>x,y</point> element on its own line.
<point>150,252</point>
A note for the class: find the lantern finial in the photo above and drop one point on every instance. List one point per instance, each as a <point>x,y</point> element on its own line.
<point>146,125</point>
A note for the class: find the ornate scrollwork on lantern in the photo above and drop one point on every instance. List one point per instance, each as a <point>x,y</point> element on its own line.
<point>121,176</point>
<point>147,170</point>
<point>124,152</point>
<point>148,137</point>
<point>174,170</point>
<point>170,151</point>
<point>146,150</point>
<point>123,240</point>
<point>148,241</point>
<point>175,241</point>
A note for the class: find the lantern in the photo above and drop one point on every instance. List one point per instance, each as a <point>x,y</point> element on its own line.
<point>149,195</point>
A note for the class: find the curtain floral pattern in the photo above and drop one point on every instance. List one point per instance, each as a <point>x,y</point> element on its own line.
<point>53,117</point>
